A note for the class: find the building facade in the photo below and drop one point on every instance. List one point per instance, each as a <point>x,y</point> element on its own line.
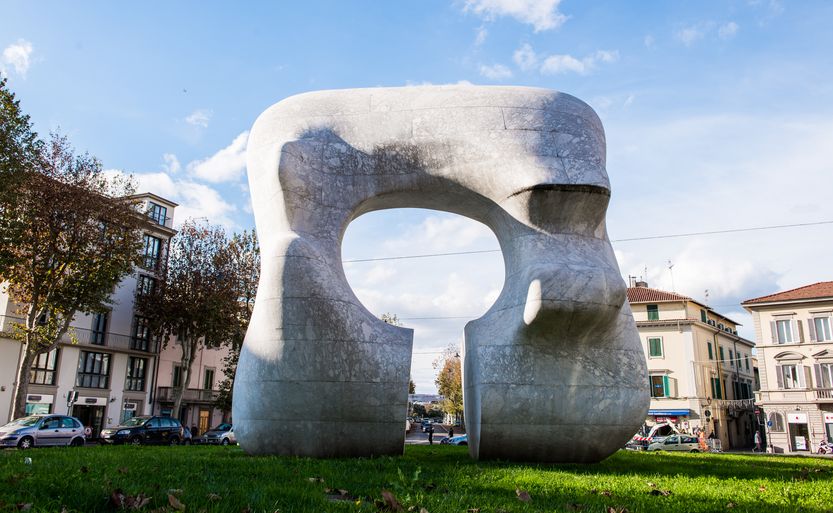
<point>701,372</point>
<point>793,329</point>
<point>115,369</point>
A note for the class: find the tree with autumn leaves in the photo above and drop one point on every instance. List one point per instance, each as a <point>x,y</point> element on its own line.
<point>205,295</point>
<point>449,381</point>
<point>68,235</point>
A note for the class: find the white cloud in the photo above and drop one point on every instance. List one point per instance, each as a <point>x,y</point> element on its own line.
<point>649,41</point>
<point>689,35</point>
<point>495,72</point>
<point>226,165</point>
<point>629,100</point>
<point>525,57</point>
<point>171,165</point>
<point>557,64</point>
<point>195,200</point>
<point>728,30</point>
<point>482,33</point>
<point>17,55</point>
<point>199,117</point>
<point>541,14</point>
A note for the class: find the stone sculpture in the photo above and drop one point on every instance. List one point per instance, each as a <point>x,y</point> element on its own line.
<point>553,371</point>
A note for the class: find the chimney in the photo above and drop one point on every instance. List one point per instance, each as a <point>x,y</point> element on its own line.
<point>641,283</point>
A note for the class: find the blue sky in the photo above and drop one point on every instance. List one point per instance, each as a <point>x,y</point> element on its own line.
<point>718,116</point>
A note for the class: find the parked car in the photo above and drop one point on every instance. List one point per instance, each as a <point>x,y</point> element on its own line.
<point>458,440</point>
<point>42,430</point>
<point>187,437</point>
<point>145,430</point>
<point>684,443</point>
<point>220,435</point>
<point>425,425</point>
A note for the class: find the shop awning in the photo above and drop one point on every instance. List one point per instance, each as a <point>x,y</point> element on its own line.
<point>669,413</point>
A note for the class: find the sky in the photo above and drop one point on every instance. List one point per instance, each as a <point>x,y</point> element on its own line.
<point>718,116</point>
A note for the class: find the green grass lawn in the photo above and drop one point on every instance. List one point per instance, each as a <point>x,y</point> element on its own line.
<point>437,478</point>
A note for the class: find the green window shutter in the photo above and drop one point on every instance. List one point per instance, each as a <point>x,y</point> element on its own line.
<point>655,346</point>
<point>653,312</point>
<point>666,390</point>
<point>703,316</point>
<point>711,353</point>
<point>722,358</point>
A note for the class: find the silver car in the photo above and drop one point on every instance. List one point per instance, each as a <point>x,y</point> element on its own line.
<point>41,431</point>
<point>220,435</point>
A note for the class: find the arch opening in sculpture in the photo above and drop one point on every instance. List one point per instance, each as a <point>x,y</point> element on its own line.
<point>556,359</point>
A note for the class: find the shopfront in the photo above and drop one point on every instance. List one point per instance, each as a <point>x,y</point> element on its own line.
<point>679,418</point>
<point>39,403</point>
<point>828,426</point>
<point>799,432</point>
<point>90,411</point>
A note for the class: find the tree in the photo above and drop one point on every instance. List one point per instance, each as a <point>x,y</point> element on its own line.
<point>19,150</point>
<point>449,381</point>
<point>411,386</point>
<point>69,236</point>
<point>195,302</point>
<point>245,263</point>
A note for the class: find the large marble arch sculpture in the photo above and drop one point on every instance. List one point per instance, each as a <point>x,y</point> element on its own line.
<point>553,371</point>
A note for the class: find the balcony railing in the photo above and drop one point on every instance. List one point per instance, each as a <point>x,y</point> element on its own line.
<point>193,395</point>
<point>93,339</point>
<point>824,394</point>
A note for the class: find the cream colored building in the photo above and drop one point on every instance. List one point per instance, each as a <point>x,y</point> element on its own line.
<point>116,369</point>
<point>701,372</point>
<point>794,330</point>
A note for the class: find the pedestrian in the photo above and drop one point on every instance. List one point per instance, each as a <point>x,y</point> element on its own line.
<point>757,441</point>
<point>451,431</point>
<point>430,434</point>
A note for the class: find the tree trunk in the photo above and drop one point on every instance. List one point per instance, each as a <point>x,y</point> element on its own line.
<point>21,389</point>
<point>188,350</point>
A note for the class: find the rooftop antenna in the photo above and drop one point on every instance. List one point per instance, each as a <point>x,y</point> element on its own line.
<point>707,297</point>
<point>671,271</point>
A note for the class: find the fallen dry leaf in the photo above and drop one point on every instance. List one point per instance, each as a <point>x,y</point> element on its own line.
<point>523,495</point>
<point>316,479</point>
<point>664,493</point>
<point>174,503</point>
<point>338,495</point>
<point>730,505</point>
<point>24,506</point>
<point>652,485</point>
<point>390,502</point>
<point>213,497</point>
<point>617,509</point>
<point>762,488</point>
<point>423,510</point>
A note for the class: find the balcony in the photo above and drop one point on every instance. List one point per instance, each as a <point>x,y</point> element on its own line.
<point>92,339</point>
<point>824,394</point>
<point>189,395</point>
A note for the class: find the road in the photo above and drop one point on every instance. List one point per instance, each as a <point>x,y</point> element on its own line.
<point>417,437</point>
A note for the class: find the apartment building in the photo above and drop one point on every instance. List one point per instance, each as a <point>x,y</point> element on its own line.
<point>116,369</point>
<point>795,347</point>
<point>701,372</point>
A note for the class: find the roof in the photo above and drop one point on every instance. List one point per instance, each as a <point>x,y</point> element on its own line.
<point>822,289</point>
<point>649,295</point>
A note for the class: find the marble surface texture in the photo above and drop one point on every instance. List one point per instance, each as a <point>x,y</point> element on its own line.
<point>552,372</point>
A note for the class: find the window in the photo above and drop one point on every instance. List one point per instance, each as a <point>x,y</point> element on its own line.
<point>93,370</point>
<point>151,252</point>
<point>824,375</point>
<point>663,386</point>
<point>717,388</point>
<point>136,374</point>
<point>722,359</point>
<point>655,347</point>
<point>43,368</point>
<point>145,285</point>
<point>177,378</point>
<point>783,331</point>
<point>703,316</point>
<point>208,381</point>
<point>711,352</point>
<point>140,341</point>
<point>820,329</point>
<point>157,213</point>
<point>790,376</point>
<point>99,330</point>
<point>653,312</point>
<point>747,362</point>
<point>777,422</point>
<point>731,358</point>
